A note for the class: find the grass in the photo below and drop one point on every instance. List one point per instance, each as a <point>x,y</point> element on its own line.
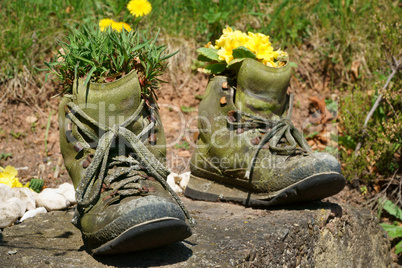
<point>348,43</point>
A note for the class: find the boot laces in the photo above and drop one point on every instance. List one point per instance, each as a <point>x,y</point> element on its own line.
<point>90,186</point>
<point>274,131</point>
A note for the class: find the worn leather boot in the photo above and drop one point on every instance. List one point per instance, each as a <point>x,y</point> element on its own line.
<point>248,150</point>
<point>113,143</point>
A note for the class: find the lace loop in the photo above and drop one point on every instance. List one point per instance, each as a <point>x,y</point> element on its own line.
<point>274,131</point>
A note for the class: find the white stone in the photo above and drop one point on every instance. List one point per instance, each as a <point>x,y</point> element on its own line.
<point>172,182</point>
<point>5,192</point>
<point>9,213</point>
<point>185,178</point>
<point>33,213</point>
<point>14,203</point>
<point>52,199</point>
<point>67,189</point>
<point>26,195</point>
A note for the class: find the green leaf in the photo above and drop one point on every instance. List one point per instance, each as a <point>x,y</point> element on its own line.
<point>243,52</point>
<point>347,141</point>
<point>203,58</point>
<point>233,62</point>
<point>392,230</point>
<point>208,52</point>
<point>398,247</point>
<point>293,64</point>
<point>215,68</point>
<point>391,208</point>
<point>186,109</point>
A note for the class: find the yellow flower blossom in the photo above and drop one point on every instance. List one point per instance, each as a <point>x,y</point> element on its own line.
<point>139,8</point>
<point>118,26</point>
<point>257,43</point>
<point>226,51</point>
<point>8,176</point>
<point>104,23</point>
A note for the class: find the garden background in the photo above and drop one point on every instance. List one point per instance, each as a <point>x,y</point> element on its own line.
<point>345,54</point>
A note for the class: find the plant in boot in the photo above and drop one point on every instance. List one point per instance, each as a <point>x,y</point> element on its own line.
<point>248,150</point>
<point>112,141</point>
<point>235,46</point>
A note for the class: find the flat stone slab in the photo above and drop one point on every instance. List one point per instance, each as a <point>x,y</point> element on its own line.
<point>318,234</point>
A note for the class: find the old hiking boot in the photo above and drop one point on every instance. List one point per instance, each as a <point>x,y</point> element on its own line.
<point>248,151</point>
<point>112,143</point>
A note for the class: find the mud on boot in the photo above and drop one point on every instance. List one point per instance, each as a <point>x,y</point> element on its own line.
<point>113,146</point>
<point>248,150</point>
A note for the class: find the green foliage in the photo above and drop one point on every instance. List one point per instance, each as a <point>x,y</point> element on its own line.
<point>5,156</point>
<point>30,27</point>
<point>393,230</point>
<point>105,56</point>
<point>207,54</point>
<point>242,53</point>
<point>36,185</point>
<point>182,145</point>
<point>202,20</point>
<point>17,135</point>
<point>186,109</point>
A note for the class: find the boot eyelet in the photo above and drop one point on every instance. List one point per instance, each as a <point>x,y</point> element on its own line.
<point>85,164</point>
<point>152,139</point>
<point>78,147</point>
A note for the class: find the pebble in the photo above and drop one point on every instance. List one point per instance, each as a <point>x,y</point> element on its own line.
<point>10,211</point>
<point>21,202</point>
<point>68,191</point>
<point>172,182</point>
<point>52,199</point>
<point>5,192</point>
<point>26,195</point>
<point>33,213</point>
<point>185,178</point>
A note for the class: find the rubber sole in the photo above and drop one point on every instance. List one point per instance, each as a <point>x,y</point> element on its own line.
<point>311,188</point>
<point>146,235</point>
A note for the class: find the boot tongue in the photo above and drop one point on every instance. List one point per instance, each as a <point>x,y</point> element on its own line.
<point>261,90</point>
<point>110,103</point>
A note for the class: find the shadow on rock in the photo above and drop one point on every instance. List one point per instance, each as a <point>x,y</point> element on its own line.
<point>167,255</point>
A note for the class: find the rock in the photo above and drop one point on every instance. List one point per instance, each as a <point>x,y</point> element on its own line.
<point>15,202</point>
<point>171,180</point>
<point>51,199</point>
<point>31,119</point>
<point>10,211</point>
<point>319,234</point>
<point>185,177</point>
<point>33,213</point>
<point>68,191</point>
<point>5,192</point>
<point>26,195</point>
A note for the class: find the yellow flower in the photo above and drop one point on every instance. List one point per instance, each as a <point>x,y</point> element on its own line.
<point>239,38</point>
<point>8,176</point>
<point>118,26</point>
<point>256,42</point>
<point>226,51</point>
<point>139,8</point>
<point>104,23</point>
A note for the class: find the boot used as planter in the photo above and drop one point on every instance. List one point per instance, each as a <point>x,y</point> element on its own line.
<point>248,150</point>
<point>113,146</point>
